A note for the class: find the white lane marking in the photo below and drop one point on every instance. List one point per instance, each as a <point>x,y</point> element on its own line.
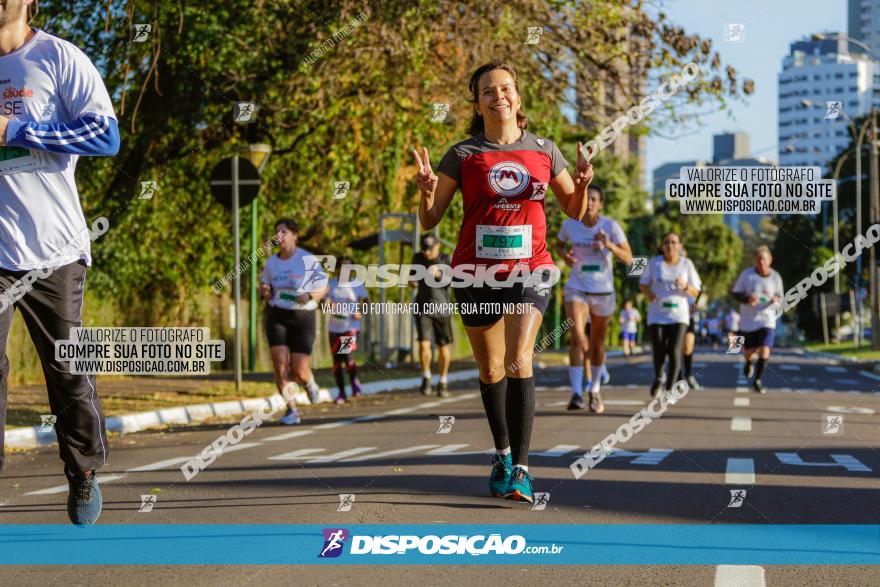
<point>332,425</point>
<point>159,465</point>
<point>848,462</point>
<point>556,404</point>
<point>340,455</point>
<point>785,390</point>
<point>739,576</point>
<point>741,424</point>
<point>450,449</point>
<point>390,453</point>
<point>556,451</point>
<point>631,386</point>
<point>850,410</point>
<point>288,435</point>
<point>623,402</point>
<point>740,472</point>
<point>835,369</point>
<point>870,375</point>
<point>741,402</point>
<point>742,389</point>
<point>295,455</point>
<point>790,367</point>
<point>102,480</point>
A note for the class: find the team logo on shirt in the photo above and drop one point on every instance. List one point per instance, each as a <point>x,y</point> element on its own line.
<point>508,178</point>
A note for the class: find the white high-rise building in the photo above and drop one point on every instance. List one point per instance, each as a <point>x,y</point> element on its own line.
<point>818,76</point>
<point>864,23</point>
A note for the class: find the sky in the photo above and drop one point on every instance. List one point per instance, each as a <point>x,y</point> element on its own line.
<point>770,25</point>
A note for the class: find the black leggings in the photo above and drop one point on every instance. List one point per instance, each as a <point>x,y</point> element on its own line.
<point>666,341</point>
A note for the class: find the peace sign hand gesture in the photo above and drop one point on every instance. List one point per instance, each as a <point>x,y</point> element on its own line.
<point>426,179</point>
<point>583,174</point>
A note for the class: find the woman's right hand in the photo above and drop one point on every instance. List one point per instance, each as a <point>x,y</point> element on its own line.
<point>426,179</point>
<point>570,258</point>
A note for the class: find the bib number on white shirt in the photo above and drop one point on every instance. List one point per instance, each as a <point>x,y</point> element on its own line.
<point>16,159</point>
<point>504,242</point>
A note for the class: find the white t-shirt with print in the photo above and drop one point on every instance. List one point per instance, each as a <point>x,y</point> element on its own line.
<point>671,305</point>
<point>41,221</point>
<point>752,318</point>
<point>300,273</point>
<point>343,300</point>
<point>592,272</point>
<point>630,325</point>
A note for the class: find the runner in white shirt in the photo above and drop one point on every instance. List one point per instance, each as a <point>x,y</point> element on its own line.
<point>291,283</point>
<point>731,325</point>
<point>757,289</point>
<point>629,327</point>
<point>668,280</point>
<point>589,247</point>
<point>54,109</point>
<point>344,324</point>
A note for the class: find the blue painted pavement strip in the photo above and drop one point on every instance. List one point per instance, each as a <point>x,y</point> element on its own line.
<point>623,544</point>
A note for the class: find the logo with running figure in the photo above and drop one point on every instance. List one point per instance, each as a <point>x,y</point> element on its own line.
<point>508,178</point>
<point>539,190</point>
<point>334,540</point>
<point>317,268</point>
<point>346,344</point>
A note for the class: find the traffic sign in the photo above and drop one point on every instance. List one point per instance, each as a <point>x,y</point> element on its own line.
<point>222,181</point>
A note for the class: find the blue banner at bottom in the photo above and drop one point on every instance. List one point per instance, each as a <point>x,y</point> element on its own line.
<point>624,544</point>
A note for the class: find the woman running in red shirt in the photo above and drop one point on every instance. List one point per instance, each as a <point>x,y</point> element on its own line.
<point>503,172</point>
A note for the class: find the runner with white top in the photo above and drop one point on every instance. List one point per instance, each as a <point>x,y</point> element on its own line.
<point>55,109</point>
<point>629,327</point>
<point>343,326</point>
<point>292,282</point>
<point>668,280</point>
<point>757,289</point>
<point>589,247</point>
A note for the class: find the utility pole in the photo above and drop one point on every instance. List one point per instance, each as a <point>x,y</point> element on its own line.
<point>875,218</point>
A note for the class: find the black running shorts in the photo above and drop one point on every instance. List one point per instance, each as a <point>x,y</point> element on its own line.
<point>294,329</point>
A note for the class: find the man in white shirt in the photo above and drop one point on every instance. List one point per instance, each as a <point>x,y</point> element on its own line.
<point>53,108</point>
<point>757,289</point>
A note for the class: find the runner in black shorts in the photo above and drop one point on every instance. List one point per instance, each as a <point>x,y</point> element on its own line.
<point>503,172</point>
<point>291,283</point>
<point>431,324</point>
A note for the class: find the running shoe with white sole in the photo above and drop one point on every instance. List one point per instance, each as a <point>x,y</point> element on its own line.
<point>313,395</point>
<point>655,387</point>
<point>442,390</point>
<point>520,488</point>
<point>291,417</point>
<point>499,478</point>
<point>692,383</point>
<point>576,403</point>
<point>605,378</point>
<point>426,386</point>
<point>758,386</point>
<point>596,405</point>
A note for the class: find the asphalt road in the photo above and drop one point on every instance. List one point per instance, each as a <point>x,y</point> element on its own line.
<point>386,450</point>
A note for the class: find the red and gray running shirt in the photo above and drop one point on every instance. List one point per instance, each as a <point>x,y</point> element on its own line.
<point>503,187</point>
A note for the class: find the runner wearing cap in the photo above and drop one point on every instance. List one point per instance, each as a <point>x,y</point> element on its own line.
<point>589,247</point>
<point>431,325</point>
<point>503,172</point>
<point>55,109</point>
<point>291,284</point>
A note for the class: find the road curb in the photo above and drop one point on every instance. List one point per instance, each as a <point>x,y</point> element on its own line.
<point>32,437</point>
<point>867,365</point>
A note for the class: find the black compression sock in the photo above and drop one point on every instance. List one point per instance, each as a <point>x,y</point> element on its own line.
<point>759,370</point>
<point>339,377</point>
<point>494,395</point>
<point>688,360</point>
<point>520,416</point>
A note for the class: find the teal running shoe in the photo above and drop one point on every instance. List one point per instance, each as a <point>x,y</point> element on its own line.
<point>499,479</point>
<point>520,488</point>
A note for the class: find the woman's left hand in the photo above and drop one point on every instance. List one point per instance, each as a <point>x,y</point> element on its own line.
<point>583,173</point>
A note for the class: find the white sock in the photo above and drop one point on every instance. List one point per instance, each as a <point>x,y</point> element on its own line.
<point>523,467</point>
<point>604,370</point>
<point>443,379</point>
<point>312,386</point>
<point>426,374</point>
<point>576,378</point>
<point>289,393</point>
<point>596,377</point>
<point>504,451</point>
